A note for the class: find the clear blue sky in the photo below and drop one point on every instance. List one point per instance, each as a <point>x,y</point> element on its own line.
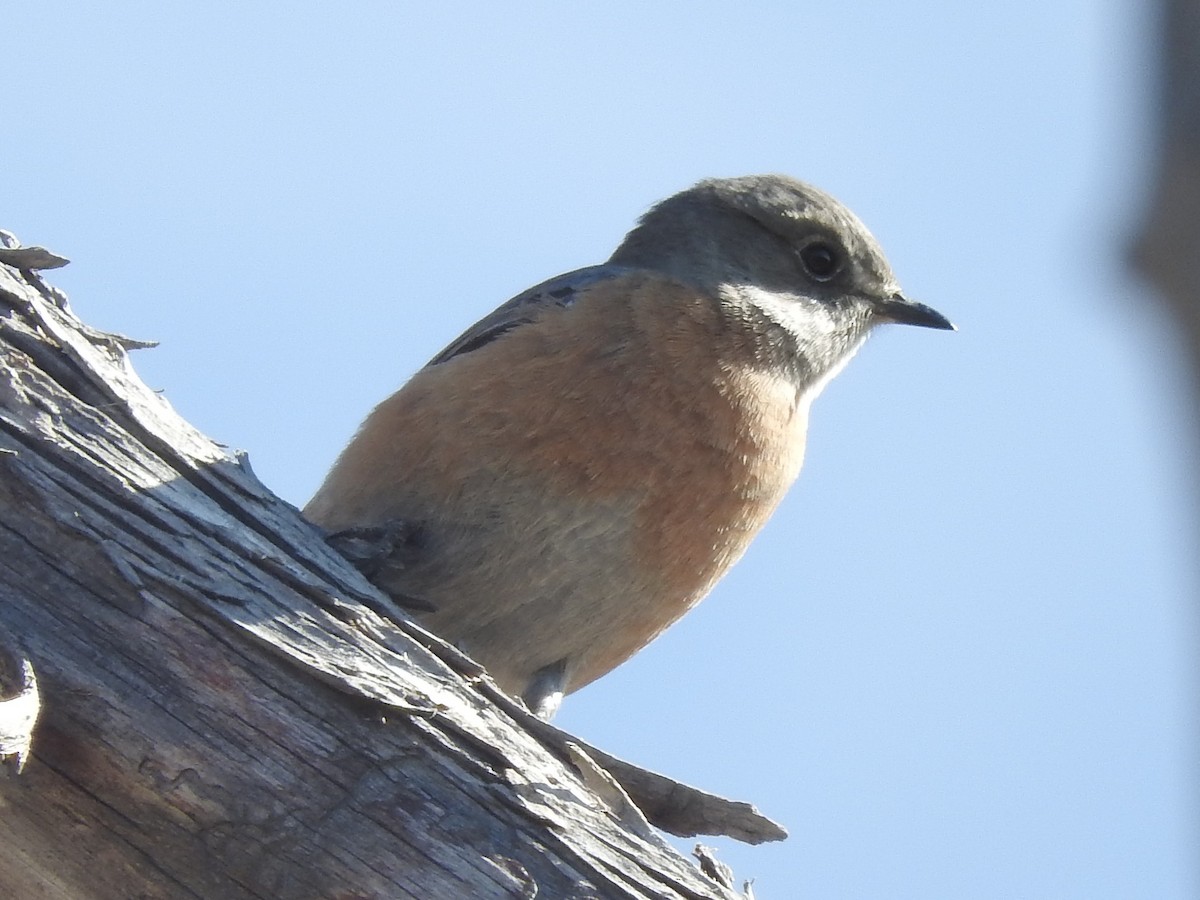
<point>960,662</point>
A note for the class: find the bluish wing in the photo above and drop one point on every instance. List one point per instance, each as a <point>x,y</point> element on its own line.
<point>525,307</point>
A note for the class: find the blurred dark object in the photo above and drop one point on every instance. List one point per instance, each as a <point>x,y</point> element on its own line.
<point>1167,249</point>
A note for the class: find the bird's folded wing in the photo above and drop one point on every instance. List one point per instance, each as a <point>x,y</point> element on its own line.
<point>559,292</point>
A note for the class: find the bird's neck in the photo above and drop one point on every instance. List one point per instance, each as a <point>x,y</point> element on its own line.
<point>793,335</point>
<point>692,241</point>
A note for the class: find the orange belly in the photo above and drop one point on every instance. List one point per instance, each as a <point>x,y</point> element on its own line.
<point>579,495</point>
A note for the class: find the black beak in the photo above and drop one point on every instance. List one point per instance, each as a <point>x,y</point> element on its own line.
<point>898,308</point>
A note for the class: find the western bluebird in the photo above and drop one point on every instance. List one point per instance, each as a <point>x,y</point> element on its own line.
<point>576,470</point>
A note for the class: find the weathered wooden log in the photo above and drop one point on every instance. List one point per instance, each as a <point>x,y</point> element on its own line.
<point>229,710</point>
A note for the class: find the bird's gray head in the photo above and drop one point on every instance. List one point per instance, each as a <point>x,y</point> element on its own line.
<point>789,259</point>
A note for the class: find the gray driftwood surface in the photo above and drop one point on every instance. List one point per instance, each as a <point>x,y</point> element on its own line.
<point>228,710</point>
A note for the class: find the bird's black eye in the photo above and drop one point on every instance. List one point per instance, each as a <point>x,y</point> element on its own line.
<point>821,260</point>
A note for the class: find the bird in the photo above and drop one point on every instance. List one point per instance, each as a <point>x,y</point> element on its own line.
<point>577,470</point>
